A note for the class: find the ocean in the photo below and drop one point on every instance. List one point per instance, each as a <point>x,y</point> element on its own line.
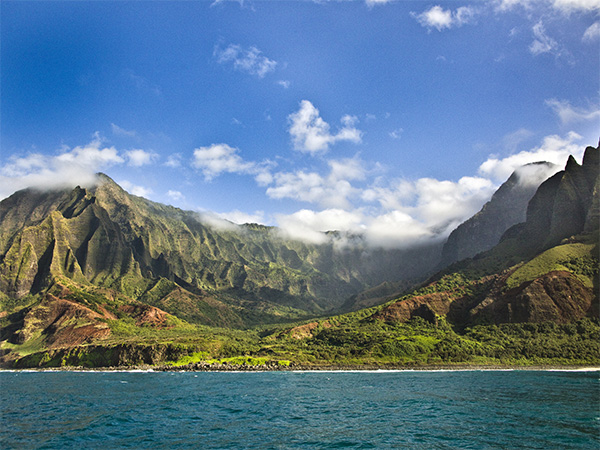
<point>300,410</point>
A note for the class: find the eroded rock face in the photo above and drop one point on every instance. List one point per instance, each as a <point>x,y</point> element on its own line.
<point>62,323</point>
<point>506,208</point>
<point>146,315</point>
<point>555,297</point>
<point>307,330</point>
<point>424,306</point>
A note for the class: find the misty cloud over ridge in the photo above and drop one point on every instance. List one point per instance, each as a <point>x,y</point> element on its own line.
<point>355,197</point>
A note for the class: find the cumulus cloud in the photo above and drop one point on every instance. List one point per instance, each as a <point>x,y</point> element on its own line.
<point>334,189</point>
<point>409,213</point>
<point>576,5</point>
<point>440,18</point>
<point>402,212</point>
<point>175,195</point>
<point>173,160</point>
<point>71,167</point>
<point>220,158</point>
<point>554,149</point>
<point>311,134</point>
<point>434,204</point>
<point>134,189</point>
<point>568,113</point>
<point>592,33</point>
<point>139,157</point>
<point>396,229</point>
<point>564,6</point>
<point>507,5</point>
<point>250,60</point>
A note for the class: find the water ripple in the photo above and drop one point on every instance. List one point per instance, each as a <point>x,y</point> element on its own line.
<point>304,410</point>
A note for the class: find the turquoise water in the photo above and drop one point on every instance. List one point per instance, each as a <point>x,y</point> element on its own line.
<point>300,410</point>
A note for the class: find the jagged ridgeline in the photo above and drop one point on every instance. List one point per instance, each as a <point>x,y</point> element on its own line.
<point>216,274</point>
<point>544,269</point>
<point>98,277</point>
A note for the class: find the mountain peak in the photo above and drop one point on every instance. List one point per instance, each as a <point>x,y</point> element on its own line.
<point>571,163</point>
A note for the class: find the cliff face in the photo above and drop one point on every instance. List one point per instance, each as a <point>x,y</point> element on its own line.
<point>564,205</point>
<point>507,207</point>
<point>542,270</point>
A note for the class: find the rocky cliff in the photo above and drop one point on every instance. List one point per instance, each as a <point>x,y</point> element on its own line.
<point>507,207</point>
<point>542,270</point>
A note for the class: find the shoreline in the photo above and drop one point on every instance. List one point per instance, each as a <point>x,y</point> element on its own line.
<point>302,368</point>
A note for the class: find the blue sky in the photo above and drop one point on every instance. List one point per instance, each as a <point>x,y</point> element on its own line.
<point>396,119</point>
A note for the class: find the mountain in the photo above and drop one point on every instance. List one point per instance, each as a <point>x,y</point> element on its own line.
<point>212,273</point>
<point>97,277</point>
<point>542,270</point>
<point>507,207</point>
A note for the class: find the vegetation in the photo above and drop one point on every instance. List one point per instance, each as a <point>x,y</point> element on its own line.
<point>108,279</point>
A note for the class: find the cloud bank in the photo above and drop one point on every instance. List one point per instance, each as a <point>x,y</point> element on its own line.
<point>70,167</point>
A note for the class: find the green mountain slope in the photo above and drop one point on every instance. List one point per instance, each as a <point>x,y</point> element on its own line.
<point>531,299</point>
<point>171,259</point>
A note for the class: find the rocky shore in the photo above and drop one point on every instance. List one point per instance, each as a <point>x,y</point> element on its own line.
<point>273,366</point>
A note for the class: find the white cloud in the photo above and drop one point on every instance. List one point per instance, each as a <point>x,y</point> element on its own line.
<point>311,134</point>
<point>396,229</point>
<point>140,191</point>
<point>436,205</point>
<point>542,42</point>
<point>284,84</point>
<point>173,160</point>
<point>220,158</point>
<point>175,195</point>
<point>91,156</point>
<point>576,5</point>
<point>397,133</point>
<point>554,149</point>
<point>72,167</point>
<point>440,18</point>
<point>371,3</point>
<point>139,157</point>
<point>333,190</point>
<point>513,140</point>
<point>118,131</point>
<point>311,187</point>
<point>565,6</point>
<point>347,168</point>
<point>411,213</point>
<point>251,61</point>
<point>309,226</point>
<point>568,113</point>
<point>508,5</point>
<point>239,217</point>
<point>592,34</point>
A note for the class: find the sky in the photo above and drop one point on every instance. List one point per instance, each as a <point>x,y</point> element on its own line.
<point>390,118</point>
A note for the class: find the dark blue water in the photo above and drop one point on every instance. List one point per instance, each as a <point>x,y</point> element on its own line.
<point>305,410</point>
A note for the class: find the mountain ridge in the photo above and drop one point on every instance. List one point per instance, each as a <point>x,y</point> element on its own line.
<point>533,295</point>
